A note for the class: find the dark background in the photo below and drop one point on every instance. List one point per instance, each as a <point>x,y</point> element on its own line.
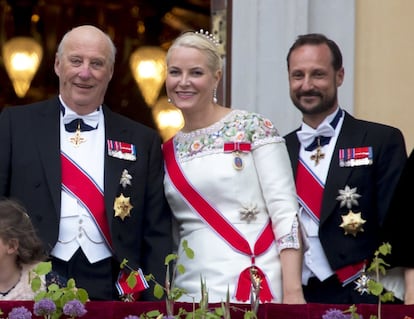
<point>129,23</point>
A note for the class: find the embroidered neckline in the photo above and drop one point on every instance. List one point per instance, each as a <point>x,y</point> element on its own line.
<point>208,129</point>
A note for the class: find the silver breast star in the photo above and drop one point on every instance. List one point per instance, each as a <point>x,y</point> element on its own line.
<point>249,212</point>
<point>348,197</point>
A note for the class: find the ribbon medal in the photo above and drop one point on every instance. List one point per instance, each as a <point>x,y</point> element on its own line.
<point>355,156</point>
<point>122,150</point>
<point>237,148</point>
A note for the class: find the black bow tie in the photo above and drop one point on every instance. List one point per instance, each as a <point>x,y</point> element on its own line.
<point>78,124</point>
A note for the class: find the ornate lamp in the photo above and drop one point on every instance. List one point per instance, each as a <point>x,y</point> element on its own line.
<point>167,117</point>
<point>149,70</point>
<point>22,57</point>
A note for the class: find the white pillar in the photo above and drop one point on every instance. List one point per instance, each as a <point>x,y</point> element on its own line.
<point>262,33</point>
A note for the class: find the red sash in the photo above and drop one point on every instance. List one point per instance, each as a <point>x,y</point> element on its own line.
<point>80,185</point>
<point>310,193</point>
<point>215,220</point>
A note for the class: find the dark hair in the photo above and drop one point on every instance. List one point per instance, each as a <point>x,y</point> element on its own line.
<point>318,39</point>
<point>15,224</point>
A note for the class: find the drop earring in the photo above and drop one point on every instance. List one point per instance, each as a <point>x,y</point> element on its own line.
<point>215,96</point>
<point>169,100</point>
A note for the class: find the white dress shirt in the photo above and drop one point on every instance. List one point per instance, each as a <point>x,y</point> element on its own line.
<point>315,262</point>
<point>77,227</point>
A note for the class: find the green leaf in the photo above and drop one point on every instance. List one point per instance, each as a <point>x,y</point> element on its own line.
<point>387,296</point>
<point>153,313</point>
<point>385,249</point>
<point>375,288</point>
<point>131,280</point>
<point>189,253</point>
<point>43,268</point>
<point>181,269</point>
<point>123,263</point>
<point>83,296</point>
<point>158,291</point>
<point>36,283</point>
<point>71,283</point>
<point>170,258</point>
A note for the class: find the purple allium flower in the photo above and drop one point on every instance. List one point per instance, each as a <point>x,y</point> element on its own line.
<point>168,317</point>
<point>334,314</point>
<point>44,307</point>
<point>20,313</point>
<point>131,317</point>
<point>74,308</point>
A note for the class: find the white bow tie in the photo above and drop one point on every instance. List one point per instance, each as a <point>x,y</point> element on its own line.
<point>91,119</point>
<point>307,136</point>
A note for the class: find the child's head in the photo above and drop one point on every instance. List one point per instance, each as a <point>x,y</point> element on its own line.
<point>16,229</point>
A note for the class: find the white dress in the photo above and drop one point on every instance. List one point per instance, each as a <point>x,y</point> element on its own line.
<point>23,290</point>
<point>245,197</point>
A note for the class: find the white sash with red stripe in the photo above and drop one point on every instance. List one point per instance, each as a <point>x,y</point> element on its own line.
<point>229,234</point>
<point>80,185</point>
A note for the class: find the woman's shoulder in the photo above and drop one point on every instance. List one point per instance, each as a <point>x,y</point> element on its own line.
<point>256,126</point>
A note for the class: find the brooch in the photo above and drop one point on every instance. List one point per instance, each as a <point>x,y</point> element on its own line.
<point>248,213</point>
<point>122,206</point>
<point>125,178</point>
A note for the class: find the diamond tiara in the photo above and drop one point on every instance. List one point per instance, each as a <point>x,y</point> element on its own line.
<point>209,36</point>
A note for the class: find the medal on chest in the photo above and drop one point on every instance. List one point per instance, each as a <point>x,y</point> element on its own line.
<point>77,139</point>
<point>237,149</point>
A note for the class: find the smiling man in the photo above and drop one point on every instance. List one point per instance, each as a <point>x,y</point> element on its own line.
<point>345,170</point>
<point>91,180</point>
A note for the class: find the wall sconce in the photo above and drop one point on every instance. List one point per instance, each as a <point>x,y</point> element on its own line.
<point>22,57</point>
<point>168,118</point>
<point>149,70</point>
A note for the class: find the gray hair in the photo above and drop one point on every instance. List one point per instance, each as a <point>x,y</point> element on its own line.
<point>107,37</point>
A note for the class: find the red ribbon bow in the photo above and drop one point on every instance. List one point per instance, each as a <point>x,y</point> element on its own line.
<point>244,286</point>
<point>237,147</point>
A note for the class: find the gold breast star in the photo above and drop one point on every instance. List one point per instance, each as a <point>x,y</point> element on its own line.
<point>352,223</point>
<point>122,206</point>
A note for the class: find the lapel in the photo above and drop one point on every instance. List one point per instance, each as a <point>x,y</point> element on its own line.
<point>46,128</point>
<point>113,167</point>
<point>293,147</point>
<point>351,135</point>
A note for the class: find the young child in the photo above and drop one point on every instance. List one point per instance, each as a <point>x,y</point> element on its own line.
<point>20,251</point>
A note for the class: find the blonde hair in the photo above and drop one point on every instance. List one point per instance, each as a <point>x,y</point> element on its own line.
<point>202,42</point>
